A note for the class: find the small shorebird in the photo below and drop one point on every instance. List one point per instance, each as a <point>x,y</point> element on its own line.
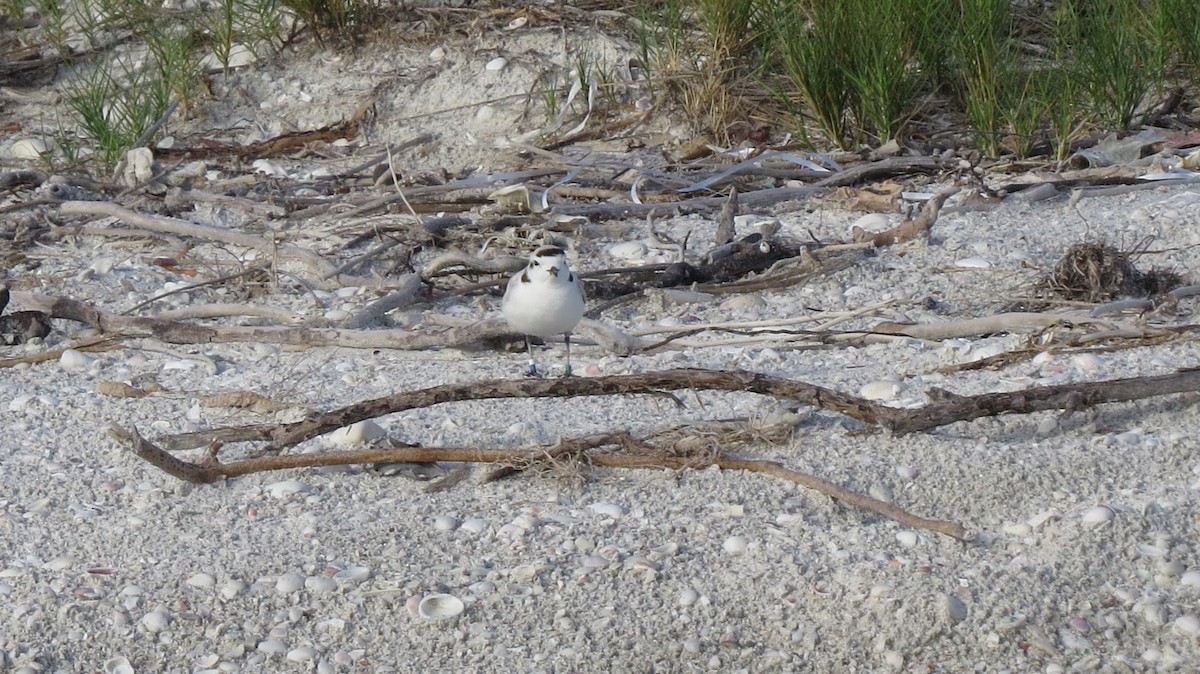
<point>545,299</point>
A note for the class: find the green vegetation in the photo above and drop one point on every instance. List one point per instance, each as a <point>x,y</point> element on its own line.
<point>1014,76</point>
<point>1010,78</point>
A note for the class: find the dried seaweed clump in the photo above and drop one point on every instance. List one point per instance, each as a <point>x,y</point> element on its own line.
<point>1098,272</point>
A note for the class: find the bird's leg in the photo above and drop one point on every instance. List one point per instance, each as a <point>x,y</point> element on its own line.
<point>567,339</point>
<point>532,371</point>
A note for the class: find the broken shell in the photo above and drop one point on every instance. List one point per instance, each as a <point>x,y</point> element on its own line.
<point>495,64</point>
<point>437,54</point>
<point>512,199</point>
<point>517,23</point>
<point>437,607</point>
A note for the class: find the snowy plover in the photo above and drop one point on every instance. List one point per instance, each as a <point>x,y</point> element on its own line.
<point>544,299</point>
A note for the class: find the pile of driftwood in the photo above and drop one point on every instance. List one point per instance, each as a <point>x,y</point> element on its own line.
<point>381,220</point>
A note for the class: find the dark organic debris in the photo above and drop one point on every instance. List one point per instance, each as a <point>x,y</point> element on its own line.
<point>1098,272</point>
<point>21,326</point>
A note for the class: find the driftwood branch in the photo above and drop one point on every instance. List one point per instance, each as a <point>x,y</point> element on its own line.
<point>210,470</point>
<point>909,229</point>
<point>944,407</point>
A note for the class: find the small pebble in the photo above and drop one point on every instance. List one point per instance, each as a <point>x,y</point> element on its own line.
<point>907,538</point>
<point>495,64</point>
<point>444,523</point>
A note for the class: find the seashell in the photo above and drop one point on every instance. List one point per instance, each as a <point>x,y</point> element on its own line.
<point>30,148</point>
<point>352,574</point>
<point>955,608</point>
<point>1187,625</point>
<point>232,588</point>
<point>444,523</point>
<point>872,222</point>
<point>289,583</point>
<point>437,607</point>
<point>973,263</point>
<point>287,489</point>
<point>438,54</point>
<point>1097,515</point>
<point>156,621</point>
<point>610,510</point>
<point>1087,361</point>
<point>628,250</point>
<point>736,545</point>
<point>496,64</point>
<point>907,538</point>
<point>1043,517</point>
<point>881,390</point>
<point>117,666</point>
<point>271,646</point>
<point>688,597</point>
<point>301,654</point>
<point>320,584</point>
<point>201,580</point>
<point>360,433</point>
<point>475,525</point>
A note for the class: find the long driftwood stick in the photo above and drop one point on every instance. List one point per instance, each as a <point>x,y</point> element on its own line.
<point>179,332</point>
<point>211,471</point>
<point>319,266</point>
<point>945,408</point>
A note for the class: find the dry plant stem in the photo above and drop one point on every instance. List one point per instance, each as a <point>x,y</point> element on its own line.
<point>319,266</point>
<point>212,471</point>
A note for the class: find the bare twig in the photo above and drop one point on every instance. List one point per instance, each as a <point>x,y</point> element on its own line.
<point>212,471</point>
